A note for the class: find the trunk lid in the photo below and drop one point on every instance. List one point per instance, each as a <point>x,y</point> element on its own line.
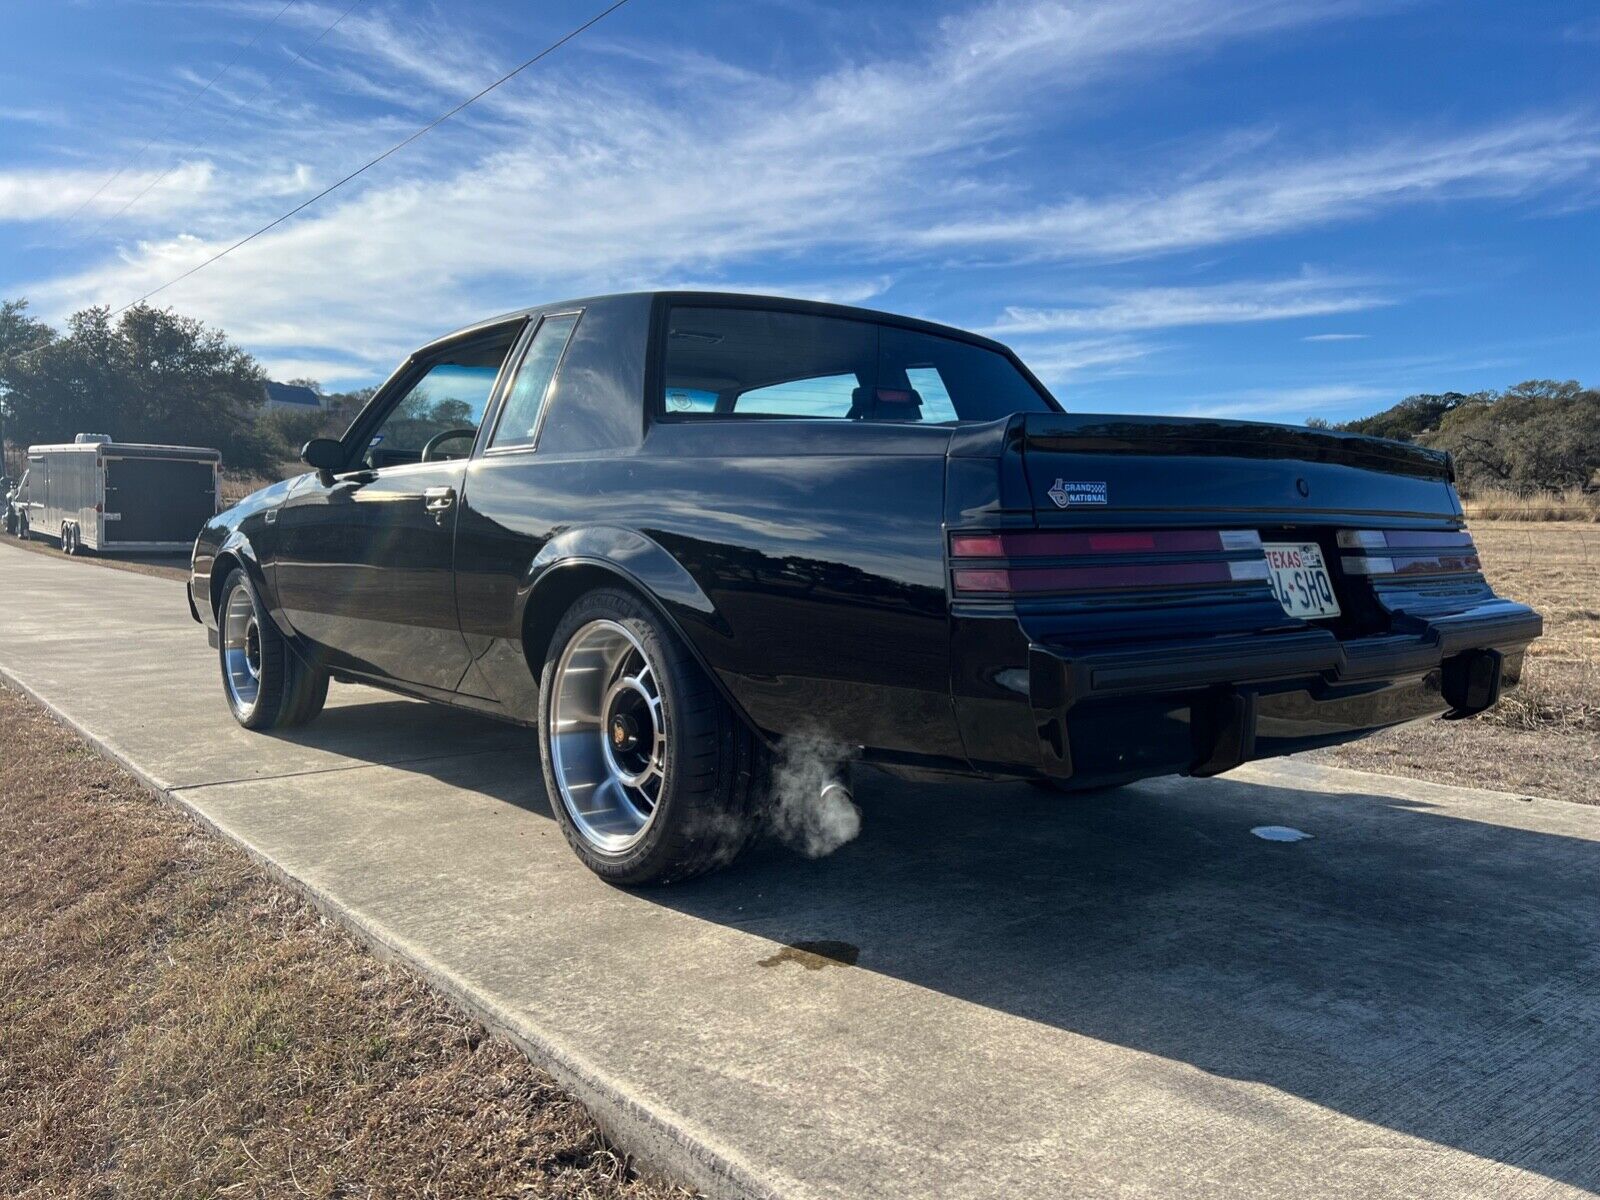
<point>1111,470</point>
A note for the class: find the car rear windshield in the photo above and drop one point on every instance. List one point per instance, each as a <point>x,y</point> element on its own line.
<point>745,362</point>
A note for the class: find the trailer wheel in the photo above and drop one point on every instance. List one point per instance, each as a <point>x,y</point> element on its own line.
<point>651,775</point>
<point>69,538</point>
<point>267,685</point>
<point>23,531</point>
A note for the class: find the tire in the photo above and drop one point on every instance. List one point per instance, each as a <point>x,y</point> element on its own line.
<point>654,778</point>
<point>306,690</point>
<point>24,532</point>
<point>266,684</point>
<point>66,538</point>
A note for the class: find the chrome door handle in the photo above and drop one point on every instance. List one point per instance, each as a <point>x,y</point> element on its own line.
<point>438,500</point>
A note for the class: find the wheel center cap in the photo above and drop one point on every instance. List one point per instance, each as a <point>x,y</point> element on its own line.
<point>624,733</point>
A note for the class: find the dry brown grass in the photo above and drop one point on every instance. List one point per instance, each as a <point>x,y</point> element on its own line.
<point>1504,504</point>
<point>1544,736</point>
<point>237,484</point>
<point>1556,568</point>
<point>173,1024</point>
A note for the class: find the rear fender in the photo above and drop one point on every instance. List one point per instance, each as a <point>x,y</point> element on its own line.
<point>580,559</point>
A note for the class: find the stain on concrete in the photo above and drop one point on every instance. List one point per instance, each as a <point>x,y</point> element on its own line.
<point>813,956</point>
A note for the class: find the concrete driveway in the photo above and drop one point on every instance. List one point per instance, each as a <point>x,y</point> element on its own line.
<point>1127,995</point>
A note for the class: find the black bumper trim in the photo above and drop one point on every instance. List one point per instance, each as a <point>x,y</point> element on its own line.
<point>1059,678</point>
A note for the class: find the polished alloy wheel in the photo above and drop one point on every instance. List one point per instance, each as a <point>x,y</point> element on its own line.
<point>241,649</point>
<point>608,736</point>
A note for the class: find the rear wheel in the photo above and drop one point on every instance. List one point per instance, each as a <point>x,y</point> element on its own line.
<point>652,776</point>
<point>267,685</point>
<point>68,538</point>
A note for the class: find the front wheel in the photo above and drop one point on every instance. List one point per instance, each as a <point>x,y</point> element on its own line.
<point>267,685</point>
<point>652,776</point>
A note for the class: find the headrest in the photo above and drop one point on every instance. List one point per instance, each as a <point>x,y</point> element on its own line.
<point>886,404</point>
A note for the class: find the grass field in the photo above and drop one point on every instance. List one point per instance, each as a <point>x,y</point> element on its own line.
<point>1544,737</point>
<point>173,1024</point>
<point>1503,504</point>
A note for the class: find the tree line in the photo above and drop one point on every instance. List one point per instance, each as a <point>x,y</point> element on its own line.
<point>149,375</point>
<point>1540,435</point>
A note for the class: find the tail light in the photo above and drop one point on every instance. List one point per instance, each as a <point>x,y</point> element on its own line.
<point>1407,552</point>
<point>1024,562</point>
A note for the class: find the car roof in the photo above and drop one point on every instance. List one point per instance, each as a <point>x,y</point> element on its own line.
<point>714,299</point>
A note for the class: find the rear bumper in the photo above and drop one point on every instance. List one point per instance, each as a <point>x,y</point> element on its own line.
<point>1421,646</point>
<point>1206,705</point>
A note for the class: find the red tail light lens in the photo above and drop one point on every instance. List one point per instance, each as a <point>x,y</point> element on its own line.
<point>1407,552</point>
<point>1124,559</point>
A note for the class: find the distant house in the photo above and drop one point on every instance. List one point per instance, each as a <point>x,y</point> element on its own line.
<point>291,396</point>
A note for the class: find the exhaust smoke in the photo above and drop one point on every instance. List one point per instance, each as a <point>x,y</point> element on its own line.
<point>812,809</point>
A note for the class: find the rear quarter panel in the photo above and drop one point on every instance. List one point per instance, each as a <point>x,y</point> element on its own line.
<point>818,547</point>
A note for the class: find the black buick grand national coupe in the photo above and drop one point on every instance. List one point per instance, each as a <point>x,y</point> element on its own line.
<point>668,530</point>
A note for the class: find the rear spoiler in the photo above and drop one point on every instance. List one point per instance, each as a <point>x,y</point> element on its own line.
<point>1100,433</point>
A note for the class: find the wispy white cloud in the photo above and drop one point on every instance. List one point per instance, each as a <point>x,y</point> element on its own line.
<point>40,195</point>
<point>30,116</point>
<point>1061,361</point>
<point>1101,309</point>
<point>1587,30</point>
<point>1334,337</point>
<point>1519,158</point>
<point>616,169</point>
<point>570,186</point>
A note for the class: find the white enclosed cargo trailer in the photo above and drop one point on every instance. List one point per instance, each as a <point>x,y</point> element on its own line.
<point>102,495</point>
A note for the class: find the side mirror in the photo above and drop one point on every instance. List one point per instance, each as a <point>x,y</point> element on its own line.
<point>324,456</point>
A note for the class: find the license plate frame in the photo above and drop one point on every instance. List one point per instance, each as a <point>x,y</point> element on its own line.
<point>1298,574</point>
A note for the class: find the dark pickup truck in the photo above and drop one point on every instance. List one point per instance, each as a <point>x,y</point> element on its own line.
<point>670,530</point>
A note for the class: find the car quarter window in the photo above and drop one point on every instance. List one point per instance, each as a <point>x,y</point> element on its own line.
<point>438,415</point>
<point>518,424</point>
<point>748,362</point>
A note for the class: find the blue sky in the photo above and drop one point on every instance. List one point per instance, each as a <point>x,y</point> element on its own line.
<point>1264,208</point>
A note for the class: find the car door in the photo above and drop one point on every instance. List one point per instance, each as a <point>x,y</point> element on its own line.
<point>364,568</point>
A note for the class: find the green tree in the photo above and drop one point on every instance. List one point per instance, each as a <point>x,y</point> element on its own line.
<point>1412,417</point>
<point>19,334</point>
<point>1543,433</point>
<point>150,376</point>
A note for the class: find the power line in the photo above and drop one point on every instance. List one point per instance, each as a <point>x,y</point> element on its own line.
<point>117,174</point>
<point>392,150</point>
<point>304,50</point>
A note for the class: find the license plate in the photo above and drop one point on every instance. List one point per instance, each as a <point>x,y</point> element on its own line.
<point>1300,579</point>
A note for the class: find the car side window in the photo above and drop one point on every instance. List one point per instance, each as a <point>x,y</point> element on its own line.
<point>439,415</point>
<point>525,399</point>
